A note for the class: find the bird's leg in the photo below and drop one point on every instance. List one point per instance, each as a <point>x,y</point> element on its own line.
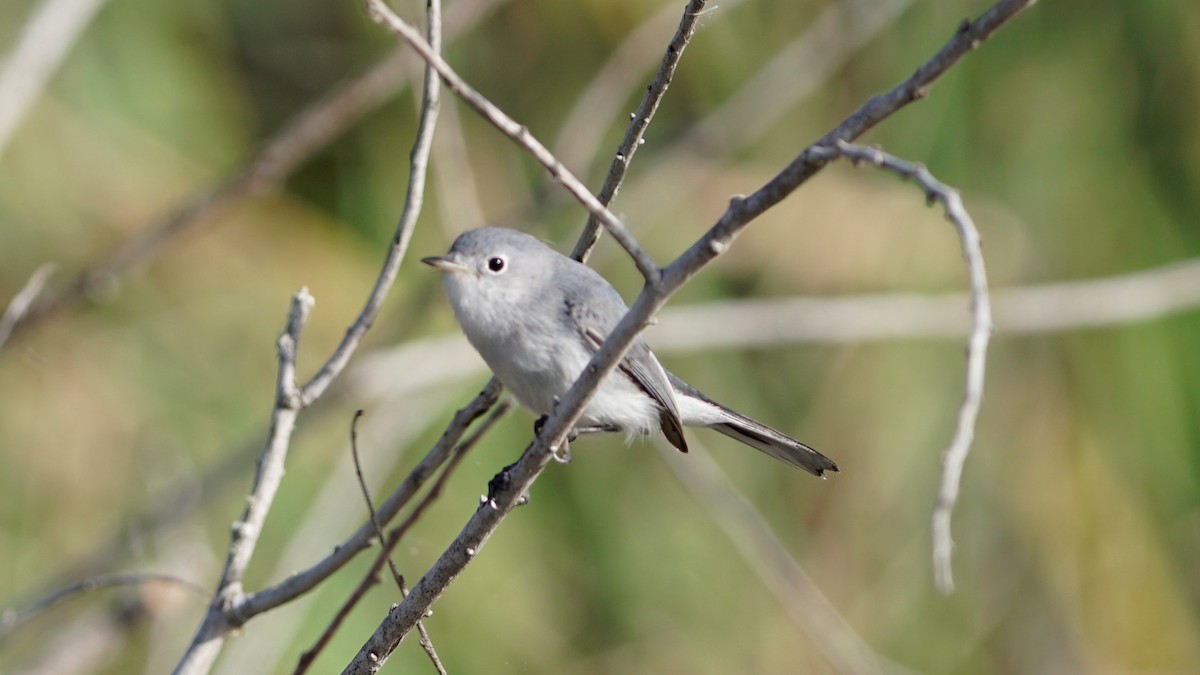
<point>561,454</point>
<point>595,429</point>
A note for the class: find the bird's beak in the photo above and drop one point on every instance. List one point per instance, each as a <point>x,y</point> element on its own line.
<point>445,263</point>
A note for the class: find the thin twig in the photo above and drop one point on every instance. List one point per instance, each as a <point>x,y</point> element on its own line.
<point>304,135</point>
<point>304,581</point>
<point>389,543</point>
<point>635,133</point>
<point>414,198</point>
<point>366,493</point>
<point>21,302</point>
<point>653,296</point>
<point>981,331</point>
<point>426,642</point>
<point>585,124</point>
<point>383,14</point>
<point>217,623</point>
<point>12,620</point>
<point>44,42</point>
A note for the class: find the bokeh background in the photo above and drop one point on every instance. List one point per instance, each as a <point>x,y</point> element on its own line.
<point>129,424</point>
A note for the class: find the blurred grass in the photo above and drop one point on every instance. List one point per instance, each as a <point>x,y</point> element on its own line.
<point>1070,135</point>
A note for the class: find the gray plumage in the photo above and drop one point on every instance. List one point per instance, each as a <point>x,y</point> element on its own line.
<point>537,317</point>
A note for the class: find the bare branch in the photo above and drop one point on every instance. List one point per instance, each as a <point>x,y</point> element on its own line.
<point>653,296</point>
<point>388,544</point>
<point>304,581</point>
<point>634,134</point>
<point>981,331</point>
<point>414,198</point>
<point>44,42</point>
<point>596,107</point>
<point>218,621</point>
<point>366,493</point>
<point>21,302</point>
<point>970,34</point>
<point>311,130</point>
<point>12,620</point>
<point>381,13</point>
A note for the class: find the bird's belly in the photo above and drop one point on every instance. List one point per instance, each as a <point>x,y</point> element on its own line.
<point>538,375</point>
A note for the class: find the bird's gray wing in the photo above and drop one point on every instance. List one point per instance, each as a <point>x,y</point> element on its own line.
<point>594,320</point>
<point>644,369</point>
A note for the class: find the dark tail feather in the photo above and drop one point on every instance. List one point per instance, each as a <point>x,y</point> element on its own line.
<point>760,436</point>
<point>776,444</point>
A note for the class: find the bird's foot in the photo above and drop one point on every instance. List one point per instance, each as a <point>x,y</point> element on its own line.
<point>501,482</point>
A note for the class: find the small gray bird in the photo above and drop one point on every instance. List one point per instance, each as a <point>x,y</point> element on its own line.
<point>537,317</point>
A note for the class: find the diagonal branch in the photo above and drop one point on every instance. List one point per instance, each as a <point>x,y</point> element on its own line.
<point>414,199</point>
<point>18,308</point>
<point>43,44</point>
<point>217,623</point>
<point>634,133</point>
<point>381,13</point>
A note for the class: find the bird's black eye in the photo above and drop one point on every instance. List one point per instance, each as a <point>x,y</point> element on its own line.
<point>496,264</point>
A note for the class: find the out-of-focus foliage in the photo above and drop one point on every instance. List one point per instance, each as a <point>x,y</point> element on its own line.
<point>1072,135</point>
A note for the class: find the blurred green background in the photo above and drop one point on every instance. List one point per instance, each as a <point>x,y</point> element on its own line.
<point>129,426</point>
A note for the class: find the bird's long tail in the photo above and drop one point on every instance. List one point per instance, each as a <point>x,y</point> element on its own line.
<point>758,435</point>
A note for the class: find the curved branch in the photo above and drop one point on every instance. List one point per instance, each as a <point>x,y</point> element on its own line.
<point>981,331</point>
<point>11,621</point>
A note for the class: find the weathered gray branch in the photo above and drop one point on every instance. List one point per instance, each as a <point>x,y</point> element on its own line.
<point>977,344</point>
